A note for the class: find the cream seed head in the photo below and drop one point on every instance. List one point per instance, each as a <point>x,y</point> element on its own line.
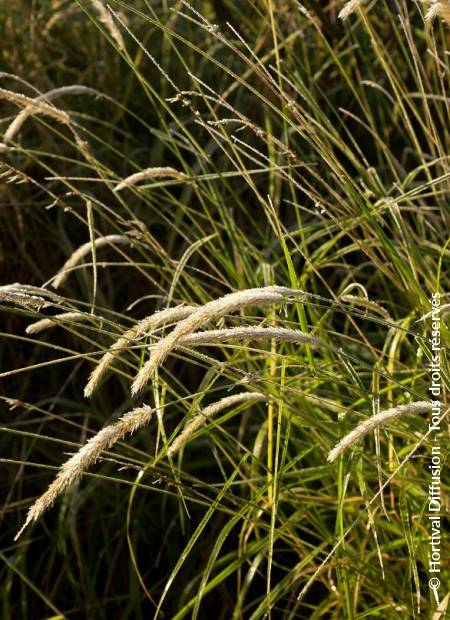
<point>212,310</point>
<point>208,412</point>
<point>31,108</point>
<point>215,336</point>
<point>85,457</point>
<point>142,328</point>
<point>150,173</point>
<point>83,251</point>
<point>43,324</point>
<point>349,8</point>
<point>374,422</point>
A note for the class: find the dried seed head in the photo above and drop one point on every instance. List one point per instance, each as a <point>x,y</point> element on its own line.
<point>203,315</point>
<point>23,295</point>
<point>43,324</point>
<point>106,18</point>
<point>349,8</point>
<point>208,412</point>
<point>438,9</point>
<point>214,336</point>
<point>34,106</point>
<point>83,251</point>
<point>150,173</point>
<point>374,422</point>
<point>30,109</point>
<point>145,326</point>
<point>85,457</point>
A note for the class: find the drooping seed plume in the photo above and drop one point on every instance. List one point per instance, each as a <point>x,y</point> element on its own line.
<point>143,327</point>
<point>43,324</point>
<point>34,106</point>
<point>83,251</point>
<point>214,336</point>
<point>349,8</point>
<point>150,173</point>
<point>22,294</point>
<point>203,315</point>
<point>31,109</point>
<point>106,18</point>
<point>85,457</point>
<point>374,422</point>
<point>438,9</point>
<point>208,412</point>
<point>13,297</point>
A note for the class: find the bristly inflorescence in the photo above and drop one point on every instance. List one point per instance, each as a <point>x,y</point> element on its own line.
<point>374,422</point>
<point>202,316</point>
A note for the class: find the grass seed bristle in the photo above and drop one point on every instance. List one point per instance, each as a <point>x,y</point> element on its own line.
<point>374,422</point>
<point>83,251</point>
<point>210,311</point>
<point>85,457</point>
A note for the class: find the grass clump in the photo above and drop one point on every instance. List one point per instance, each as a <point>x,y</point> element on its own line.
<point>254,200</point>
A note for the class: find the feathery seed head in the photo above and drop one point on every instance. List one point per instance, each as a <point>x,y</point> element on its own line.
<point>85,457</point>
<point>209,411</point>
<point>150,173</point>
<point>145,326</point>
<point>203,315</point>
<point>83,251</point>
<point>43,324</point>
<point>374,422</point>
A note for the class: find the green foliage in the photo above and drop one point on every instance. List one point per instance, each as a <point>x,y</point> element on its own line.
<point>316,157</point>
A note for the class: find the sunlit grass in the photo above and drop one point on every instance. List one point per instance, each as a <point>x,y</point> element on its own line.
<point>299,150</point>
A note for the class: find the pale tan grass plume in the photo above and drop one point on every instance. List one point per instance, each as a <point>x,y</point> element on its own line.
<point>43,324</point>
<point>214,336</point>
<point>212,310</point>
<point>29,289</point>
<point>349,8</point>
<point>106,18</point>
<point>208,412</point>
<point>23,295</point>
<point>14,297</point>
<point>438,9</point>
<point>83,251</point>
<point>30,109</point>
<point>37,107</point>
<point>150,173</point>
<point>374,422</point>
<point>143,327</point>
<point>85,457</point>
<point>34,106</point>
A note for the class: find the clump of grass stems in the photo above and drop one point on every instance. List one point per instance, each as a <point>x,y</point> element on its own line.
<point>304,144</point>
